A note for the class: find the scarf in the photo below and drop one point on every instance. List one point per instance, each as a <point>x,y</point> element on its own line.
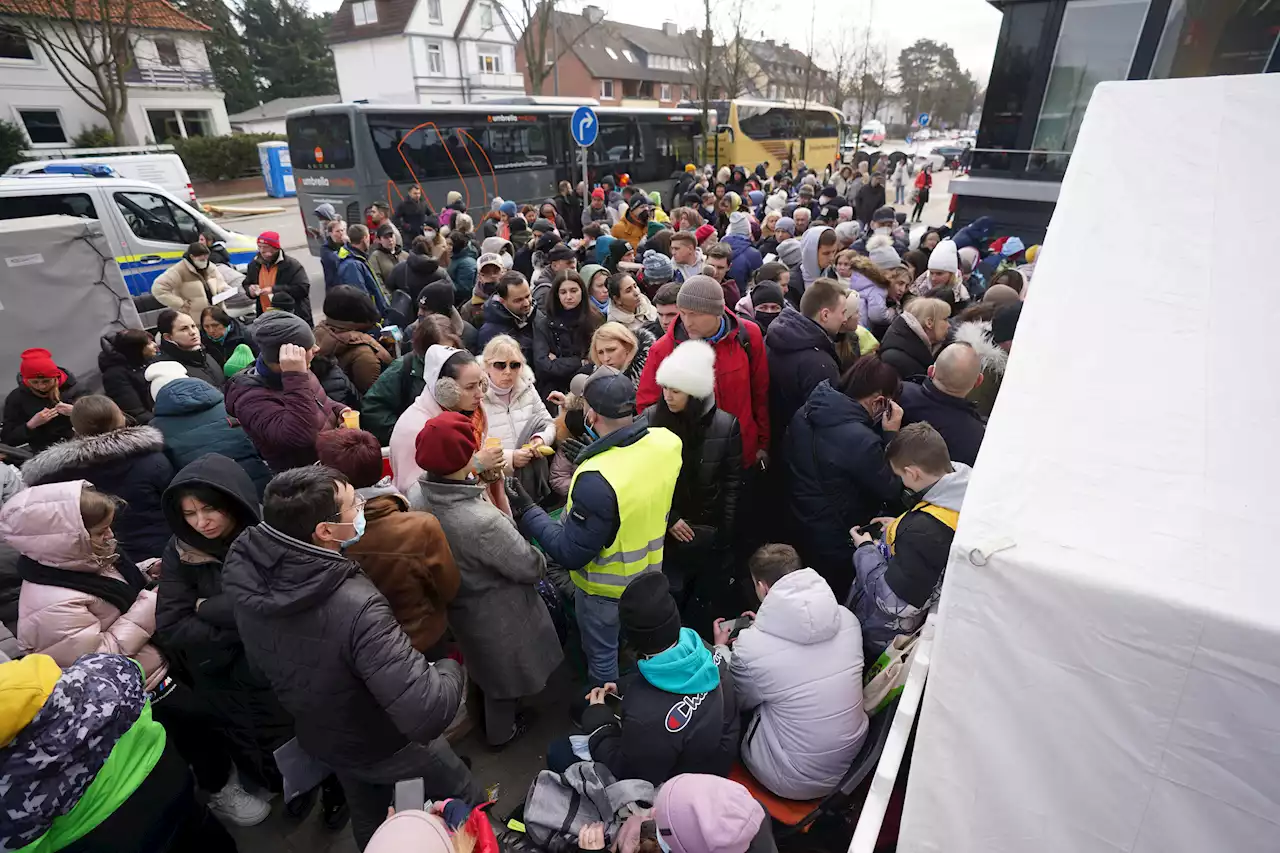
<point>120,594</point>
<point>911,321</point>
<point>644,314</point>
<point>602,307</point>
<point>720,333</point>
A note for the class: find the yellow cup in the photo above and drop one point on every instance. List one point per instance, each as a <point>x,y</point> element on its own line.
<point>351,419</point>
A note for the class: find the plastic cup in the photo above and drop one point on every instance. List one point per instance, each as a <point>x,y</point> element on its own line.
<point>351,419</point>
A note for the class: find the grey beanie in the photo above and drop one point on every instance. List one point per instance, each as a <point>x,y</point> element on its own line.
<point>881,252</point>
<point>274,329</point>
<point>658,268</point>
<point>701,294</point>
<point>790,252</point>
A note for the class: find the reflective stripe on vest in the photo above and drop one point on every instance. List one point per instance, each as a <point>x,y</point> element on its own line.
<point>643,477</point>
<point>949,517</point>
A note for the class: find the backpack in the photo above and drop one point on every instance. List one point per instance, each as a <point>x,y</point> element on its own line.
<point>559,805</point>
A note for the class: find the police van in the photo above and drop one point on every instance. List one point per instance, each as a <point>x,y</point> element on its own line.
<point>148,227</point>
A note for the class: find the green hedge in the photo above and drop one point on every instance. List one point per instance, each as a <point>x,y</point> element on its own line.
<point>221,158</point>
<point>11,142</point>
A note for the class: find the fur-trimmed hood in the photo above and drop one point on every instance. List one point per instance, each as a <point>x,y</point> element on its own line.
<point>90,450</point>
<point>864,267</point>
<point>976,334</point>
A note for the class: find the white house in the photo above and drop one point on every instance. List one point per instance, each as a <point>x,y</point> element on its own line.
<point>172,92</point>
<point>424,51</point>
<point>269,117</point>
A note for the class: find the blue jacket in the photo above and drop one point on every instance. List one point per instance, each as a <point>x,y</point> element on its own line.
<point>329,263</point>
<point>955,418</point>
<point>462,269</point>
<point>746,260</point>
<point>354,269</point>
<point>976,234</point>
<point>193,420</point>
<point>801,354</point>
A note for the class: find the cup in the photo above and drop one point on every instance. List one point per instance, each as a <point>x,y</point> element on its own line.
<point>351,419</point>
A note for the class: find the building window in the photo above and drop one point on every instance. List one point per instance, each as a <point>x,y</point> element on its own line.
<point>548,58</point>
<point>686,93</point>
<point>433,12</point>
<point>179,124</point>
<point>167,52</point>
<point>364,12</point>
<point>44,127</point>
<point>13,44</point>
<point>435,58</point>
<point>631,57</point>
<point>197,123</point>
<point>665,92</point>
<point>611,52</point>
<point>606,90</point>
<point>1218,39</point>
<point>486,16</point>
<point>491,63</point>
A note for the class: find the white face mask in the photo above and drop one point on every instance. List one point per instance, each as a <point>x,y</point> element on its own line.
<point>429,234</point>
<point>200,265</point>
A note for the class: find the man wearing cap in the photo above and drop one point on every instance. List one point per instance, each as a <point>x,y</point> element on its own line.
<point>355,269</point>
<point>885,222</point>
<point>272,270</point>
<point>279,401</point>
<point>488,270</point>
<point>634,225</point>
<point>38,411</point>
<point>742,368</point>
<point>615,521</point>
<point>556,260</point>
<point>386,254</point>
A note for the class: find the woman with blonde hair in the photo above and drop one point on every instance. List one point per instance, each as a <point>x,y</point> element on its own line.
<point>615,345</point>
<point>915,336</point>
<point>515,412</point>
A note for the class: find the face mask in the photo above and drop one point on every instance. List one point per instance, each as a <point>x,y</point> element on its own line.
<point>764,318</point>
<point>595,436</point>
<point>429,234</point>
<point>888,232</point>
<point>200,265</point>
<point>358,525</point>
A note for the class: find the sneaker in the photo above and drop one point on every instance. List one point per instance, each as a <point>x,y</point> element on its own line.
<point>233,803</point>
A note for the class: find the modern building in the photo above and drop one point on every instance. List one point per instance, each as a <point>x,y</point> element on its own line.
<point>424,51</point>
<point>616,64</point>
<point>269,117</point>
<point>1049,57</point>
<point>171,89</point>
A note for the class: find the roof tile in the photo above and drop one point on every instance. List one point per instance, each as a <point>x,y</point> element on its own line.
<point>149,14</point>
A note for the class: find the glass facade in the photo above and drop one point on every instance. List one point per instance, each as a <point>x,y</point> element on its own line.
<point>1209,39</point>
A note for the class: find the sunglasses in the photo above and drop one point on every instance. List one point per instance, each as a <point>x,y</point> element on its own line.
<point>503,365</point>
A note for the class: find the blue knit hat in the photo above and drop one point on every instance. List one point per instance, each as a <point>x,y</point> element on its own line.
<point>507,207</point>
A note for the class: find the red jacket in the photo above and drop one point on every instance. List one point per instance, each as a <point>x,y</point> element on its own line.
<point>742,382</point>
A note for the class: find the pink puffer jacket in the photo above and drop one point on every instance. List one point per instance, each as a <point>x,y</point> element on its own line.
<point>43,523</point>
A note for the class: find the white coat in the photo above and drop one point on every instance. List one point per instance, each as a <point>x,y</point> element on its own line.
<point>509,415</point>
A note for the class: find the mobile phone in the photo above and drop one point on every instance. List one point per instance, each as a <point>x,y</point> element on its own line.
<point>874,529</point>
<point>410,795</point>
<point>740,624</point>
<point>613,702</point>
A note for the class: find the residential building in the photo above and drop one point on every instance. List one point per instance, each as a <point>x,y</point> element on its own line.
<point>616,64</point>
<point>269,117</point>
<point>171,89</point>
<point>1049,57</point>
<point>424,51</point>
<point>777,72</point>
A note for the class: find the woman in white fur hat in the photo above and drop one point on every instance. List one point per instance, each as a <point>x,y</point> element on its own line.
<point>705,504</point>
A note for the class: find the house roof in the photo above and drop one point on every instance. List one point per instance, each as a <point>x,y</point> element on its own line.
<point>779,59</point>
<point>591,44</point>
<point>148,14</point>
<point>280,106</point>
<point>393,17</point>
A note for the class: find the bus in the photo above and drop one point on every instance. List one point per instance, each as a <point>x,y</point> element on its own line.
<point>752,131</point>
<point>352,155</point>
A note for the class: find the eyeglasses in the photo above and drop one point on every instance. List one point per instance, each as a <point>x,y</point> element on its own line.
<point>503,365</point>
<point>357,506</point>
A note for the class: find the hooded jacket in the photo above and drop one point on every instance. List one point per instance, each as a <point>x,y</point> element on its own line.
<point>417,272</point>
<point>123,382</point>
<point>809,271</point>
<point>873,294</point>
<point>801,354</point>
<point>409,560</point>
<point>128,463</point>
<point>355,269</point>
<point>746,260</point>
<point>904,350</point>
<point>187,289</point>
<point>290,278</point>
<point>799,666</point>
<point>500,321</point>
<point>45,526</point>
<point>357,352</point>
<point>193,420</point>
<point>507,637</point>
<point>893,594</point>
<point>236,335</point>
<point>628,228</point>
<point>199,363</point>
<point>21,405</point>
<point>330,645</point>
<point>282,413</point>
<point>517,414</point>
<point>678,716</point>
<point>993,358</point>
<point>955,418</point>
<point>404,437</point>
<point>463,271</point>
<point>397,387</point>
<point>838,476</point>
<point>869,199</point>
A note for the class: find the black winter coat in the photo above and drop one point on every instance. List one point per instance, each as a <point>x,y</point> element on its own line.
<point>711,496</point>
<point>125,383</point>
<point>200,364</point>
<point>236,334</point>
<point>337,386</point>
<point>21,405</point>
<point>410,216</point>
<point>416,273</point>
<point>570,209</point>
<point>903,350</point>
<point>869,199</point>
<point>290,277</point>
<point>558,336</point>
<point>203,637</point>
<point>499,321</point>
<point>801,354</point>
<point>338,661</point>
<point>955,418</point>
<point>129,463</point>
<point>838,477</point>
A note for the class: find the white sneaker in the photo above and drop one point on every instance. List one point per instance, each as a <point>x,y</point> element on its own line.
<point>233,803</point>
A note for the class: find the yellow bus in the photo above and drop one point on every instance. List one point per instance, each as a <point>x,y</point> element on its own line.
<point>752,131</point>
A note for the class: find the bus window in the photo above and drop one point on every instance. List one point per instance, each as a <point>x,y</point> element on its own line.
<point>423,148</point>
<point>514,146</point>
<point>615,143</point>
<point>320,142</point>
<point>784,122</point>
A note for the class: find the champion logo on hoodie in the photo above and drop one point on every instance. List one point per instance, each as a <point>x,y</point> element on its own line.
<point>681,713</point>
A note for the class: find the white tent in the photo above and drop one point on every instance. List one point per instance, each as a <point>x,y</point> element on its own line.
<point>1106,668</point>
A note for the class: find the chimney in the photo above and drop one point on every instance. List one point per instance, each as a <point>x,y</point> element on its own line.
<point>594,14</point>
<point>771,42</point>
<point>669,29</point>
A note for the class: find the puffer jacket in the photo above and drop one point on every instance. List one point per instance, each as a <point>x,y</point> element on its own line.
<point>193,420</point>
<point>801,354</point>
<point>357,352</point>
<point>558,335</point>
<point>746,260</point>
<point>184,288</point>
<point>236,335</point>
<point>462,269</point>
<point>904,350</point>
<point>21,405</point>
<point>199,363</point>
<point>799,666</point>
<point>326,639</point>
<point>717,483</point>
<point>44,525</point>
<point>124,382</point>
<point>511,415</point>
<point>873,296</point>
<point>128,463</point>
<point>417,272</point>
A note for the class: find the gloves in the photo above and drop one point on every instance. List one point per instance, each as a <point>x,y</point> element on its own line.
<point>572,448</point>
<point>517,497</point>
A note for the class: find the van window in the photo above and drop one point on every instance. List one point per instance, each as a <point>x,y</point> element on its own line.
<point>69,204</point>
<point>154,217</point>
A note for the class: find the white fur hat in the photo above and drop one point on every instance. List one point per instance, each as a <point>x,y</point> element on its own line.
<point>161,373</point>
<point>690,368</point>
<point>945,258</point>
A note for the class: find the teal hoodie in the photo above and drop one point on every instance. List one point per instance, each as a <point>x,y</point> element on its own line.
<point>686,669</point>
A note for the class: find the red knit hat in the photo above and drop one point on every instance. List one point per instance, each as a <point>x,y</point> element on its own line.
<point>598,192</point>
<point>271,238</point>
<point>445,444</point>
<point>703,232</point>
<point>38,364</point>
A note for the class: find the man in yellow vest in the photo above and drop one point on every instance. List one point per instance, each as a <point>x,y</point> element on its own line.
<point>898,578</point>
<point>614,524</point>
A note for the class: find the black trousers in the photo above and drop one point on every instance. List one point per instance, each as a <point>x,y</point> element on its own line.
<point>193,730</point>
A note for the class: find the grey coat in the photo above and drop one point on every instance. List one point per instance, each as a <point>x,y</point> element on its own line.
<point>507,638</point>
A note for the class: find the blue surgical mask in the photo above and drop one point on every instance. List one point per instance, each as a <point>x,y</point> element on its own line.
<point>358,525</point>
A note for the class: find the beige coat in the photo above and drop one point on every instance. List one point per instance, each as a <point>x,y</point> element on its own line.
<point>182,287</point>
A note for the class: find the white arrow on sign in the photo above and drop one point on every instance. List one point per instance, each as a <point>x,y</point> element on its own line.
<point>585,122</point>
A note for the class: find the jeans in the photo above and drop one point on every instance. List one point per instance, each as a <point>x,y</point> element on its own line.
<point>598,624</point>
<point>899,194</point>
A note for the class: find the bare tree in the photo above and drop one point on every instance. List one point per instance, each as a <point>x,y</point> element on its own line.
<point>90,43</point>
<point>734,61</point>
<point>541,42</point>
<point>842,52</point>
<point>700,50</point>
<point>879,76</point>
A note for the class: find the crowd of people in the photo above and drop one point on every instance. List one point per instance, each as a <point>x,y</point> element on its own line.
<point>716,437</point>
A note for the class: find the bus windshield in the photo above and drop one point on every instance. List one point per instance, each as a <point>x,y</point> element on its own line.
<point>321,142</point>
<point>782,122</point>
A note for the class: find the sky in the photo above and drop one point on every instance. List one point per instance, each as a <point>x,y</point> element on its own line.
<point>969,26</point>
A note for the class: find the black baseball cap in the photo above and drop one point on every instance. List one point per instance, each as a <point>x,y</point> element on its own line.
<point>610,394</point>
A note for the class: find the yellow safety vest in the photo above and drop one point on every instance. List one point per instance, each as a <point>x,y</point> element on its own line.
<point>949,517</point>
<point>643,477</point>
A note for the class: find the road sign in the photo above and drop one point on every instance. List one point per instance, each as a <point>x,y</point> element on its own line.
<point>583,127</point>
<point>923,120</point>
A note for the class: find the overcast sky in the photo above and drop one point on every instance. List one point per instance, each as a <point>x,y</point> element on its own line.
<point>969,26</point>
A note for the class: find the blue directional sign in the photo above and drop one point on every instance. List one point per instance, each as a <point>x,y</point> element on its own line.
<point>584,127</point>
<point>923,120</point>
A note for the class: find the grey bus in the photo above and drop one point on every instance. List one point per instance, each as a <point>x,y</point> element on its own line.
<point>352,155</point>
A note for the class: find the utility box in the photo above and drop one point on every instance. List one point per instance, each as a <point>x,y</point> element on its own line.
<point>277,169</point>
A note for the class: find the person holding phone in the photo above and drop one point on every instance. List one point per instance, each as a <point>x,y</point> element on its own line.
<point>38,411</point>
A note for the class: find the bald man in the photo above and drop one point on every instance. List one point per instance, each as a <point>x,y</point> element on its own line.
<point>940,401</point>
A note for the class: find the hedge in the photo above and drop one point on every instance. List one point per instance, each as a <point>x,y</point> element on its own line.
<point>12,142</point>
<point>221,158</point>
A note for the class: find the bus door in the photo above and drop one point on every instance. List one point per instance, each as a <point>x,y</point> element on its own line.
<point>618,150</point>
